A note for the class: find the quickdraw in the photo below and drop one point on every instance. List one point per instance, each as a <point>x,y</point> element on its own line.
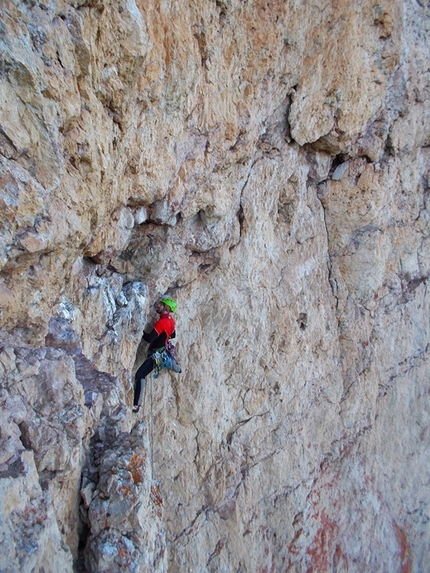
<point>162,359</point>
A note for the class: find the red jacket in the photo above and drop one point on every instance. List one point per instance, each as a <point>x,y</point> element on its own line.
<point>163,329</point>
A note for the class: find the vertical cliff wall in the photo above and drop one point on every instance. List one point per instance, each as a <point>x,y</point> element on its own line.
<point>266,163</point>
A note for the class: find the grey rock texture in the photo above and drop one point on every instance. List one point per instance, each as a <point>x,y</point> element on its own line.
<point>265,163</point>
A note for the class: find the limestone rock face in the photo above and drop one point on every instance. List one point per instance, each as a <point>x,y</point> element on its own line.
<point>265,163</point>
<point>123,508</point>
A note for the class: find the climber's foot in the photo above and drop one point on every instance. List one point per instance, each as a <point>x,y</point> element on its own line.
<point>175,367</point>
<point>135,409</point>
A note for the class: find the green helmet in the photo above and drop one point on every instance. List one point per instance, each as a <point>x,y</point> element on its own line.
<point>170,303</point>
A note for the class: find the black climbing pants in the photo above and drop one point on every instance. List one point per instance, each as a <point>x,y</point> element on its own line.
<point>142,372</point>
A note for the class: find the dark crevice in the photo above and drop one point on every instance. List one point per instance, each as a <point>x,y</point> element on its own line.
<point>190,526</point>
<point>287,126</point>
<point>409,286</point>
<point>231,433</point>
<point>218,548</point>
<point>338,160</point>
<point>199,34</point>
<point>241,218</point>
<point>14,470</point>
<point>45,478</point>
<point>204,268</point>
<point>331,278</point>
<point>24,437</point>
<point>79,565</point>
<point>8,139</point>
<point>222,6</point>
<point>302,321</point>
<point>239,140</point>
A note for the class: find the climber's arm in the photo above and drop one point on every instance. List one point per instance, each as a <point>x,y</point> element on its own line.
<point>150,336</point>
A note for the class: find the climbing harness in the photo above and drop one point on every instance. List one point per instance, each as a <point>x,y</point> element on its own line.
<point>163,358</point>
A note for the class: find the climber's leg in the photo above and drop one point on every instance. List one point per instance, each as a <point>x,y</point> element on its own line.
<point>139,382</point>
<point>138,393</point>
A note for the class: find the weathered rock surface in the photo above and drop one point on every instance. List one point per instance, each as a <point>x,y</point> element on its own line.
<point>267,164</point>
<point>123,507</point>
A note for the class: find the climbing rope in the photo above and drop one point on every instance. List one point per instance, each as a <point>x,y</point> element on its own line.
<point>162,360</point>
<point>148,382</point>
<point>151,436</point>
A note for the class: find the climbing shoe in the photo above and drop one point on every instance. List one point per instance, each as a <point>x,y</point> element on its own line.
<point>135,409</point>
<point>175,367</point>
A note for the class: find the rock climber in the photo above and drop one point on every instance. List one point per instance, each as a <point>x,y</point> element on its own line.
<point>160,353</point>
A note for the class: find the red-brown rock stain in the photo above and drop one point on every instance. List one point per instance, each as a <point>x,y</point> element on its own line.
<point>321,548</point>
<point>404,550</point>
<point>266,568</point>
<point>157,499</point>
<point>137,466</point>
<point>291,547</point>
